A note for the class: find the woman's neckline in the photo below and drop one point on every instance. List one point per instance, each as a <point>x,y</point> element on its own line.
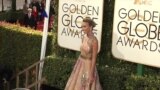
<point>90,35</point>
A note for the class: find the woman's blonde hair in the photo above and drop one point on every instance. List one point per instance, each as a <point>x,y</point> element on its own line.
<point>89,21</point>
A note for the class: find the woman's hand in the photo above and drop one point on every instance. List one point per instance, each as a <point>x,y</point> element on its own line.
<point>90,79</point>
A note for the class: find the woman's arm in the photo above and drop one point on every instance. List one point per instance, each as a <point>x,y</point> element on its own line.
<point>94,57</point>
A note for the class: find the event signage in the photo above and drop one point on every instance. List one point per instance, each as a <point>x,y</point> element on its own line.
<point>136,31</point>
<point>70,16</point>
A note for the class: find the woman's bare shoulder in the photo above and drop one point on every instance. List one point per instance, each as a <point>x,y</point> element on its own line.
<point>94,39</point>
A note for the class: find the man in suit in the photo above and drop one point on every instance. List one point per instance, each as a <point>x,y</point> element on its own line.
<point>29,20</point>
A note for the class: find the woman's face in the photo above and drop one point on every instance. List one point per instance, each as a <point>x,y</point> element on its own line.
<point>34,8</point>
<point>85,27</point>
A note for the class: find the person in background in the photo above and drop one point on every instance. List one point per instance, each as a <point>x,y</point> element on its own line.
<point>35,12</point>
<point>25,7</point>
<point>25,11</point>
<point>51,15</point>
<point>35,3</point>
<point>84,75</point>
<point>29,20</point>
<point>52,10</point>
<point>43,4</point>
<point>35,15</point>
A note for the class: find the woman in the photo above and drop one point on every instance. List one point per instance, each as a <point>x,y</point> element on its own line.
<point>84,75</point>
<point>25,7</point>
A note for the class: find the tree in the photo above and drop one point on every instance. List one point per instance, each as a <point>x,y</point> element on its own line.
<point>2,6</point>
<point>13,5</point>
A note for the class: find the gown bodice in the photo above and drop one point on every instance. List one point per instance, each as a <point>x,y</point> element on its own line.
<point>86,47</point>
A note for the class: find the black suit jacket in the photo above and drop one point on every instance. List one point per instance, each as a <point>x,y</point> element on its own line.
<point>29,21</point>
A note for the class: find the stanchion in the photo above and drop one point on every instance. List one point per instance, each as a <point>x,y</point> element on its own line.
<point>140,69</point>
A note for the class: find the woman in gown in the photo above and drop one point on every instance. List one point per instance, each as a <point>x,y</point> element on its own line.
<point>84,75</point>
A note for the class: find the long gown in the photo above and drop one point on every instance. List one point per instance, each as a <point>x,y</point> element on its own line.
<point>78,79</point>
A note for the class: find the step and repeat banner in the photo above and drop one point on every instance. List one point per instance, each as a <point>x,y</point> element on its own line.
<point>136,31</point>
<point>70,16</point>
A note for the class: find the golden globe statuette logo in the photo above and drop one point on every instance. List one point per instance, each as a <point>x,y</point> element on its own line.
<point>140,2</point>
